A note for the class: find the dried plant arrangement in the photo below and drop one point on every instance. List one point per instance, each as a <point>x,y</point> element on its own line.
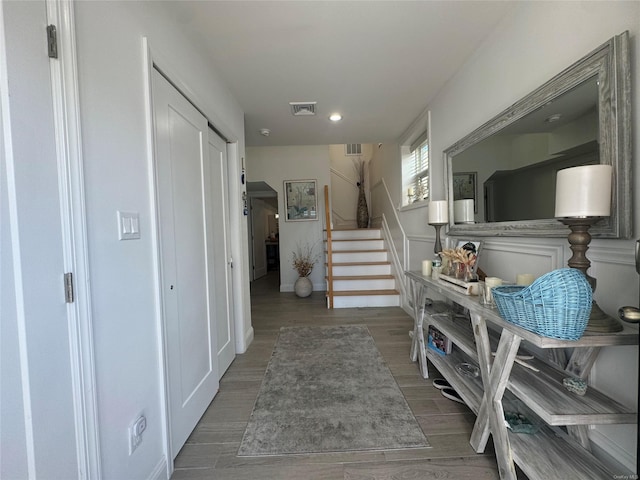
<point>303,260</point>
<point>460,255</point>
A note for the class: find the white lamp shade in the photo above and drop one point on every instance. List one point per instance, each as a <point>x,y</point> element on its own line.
<point>463,211</point>
<point>438,212</point>
<point>584,191</point>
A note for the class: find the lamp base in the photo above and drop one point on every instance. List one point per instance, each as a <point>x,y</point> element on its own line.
<point>437,248</point>
<point>579,239</point>
<point>600,322</point>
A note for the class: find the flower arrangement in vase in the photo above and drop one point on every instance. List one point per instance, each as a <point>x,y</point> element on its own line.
<point>461,262</point>
<point>303,261</point>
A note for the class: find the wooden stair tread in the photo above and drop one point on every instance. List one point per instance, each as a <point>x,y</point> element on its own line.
<point>350,229</point>
<point>358,293</point>
<point>354,240</point>
<point>346,264</point>
<point>357,251</point>
<point>362,277</point>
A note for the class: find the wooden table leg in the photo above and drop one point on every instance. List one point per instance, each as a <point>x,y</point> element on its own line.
<point>579,365</point>
<point>581,361</point>
<point>418,347</point>
<point>495,377</point>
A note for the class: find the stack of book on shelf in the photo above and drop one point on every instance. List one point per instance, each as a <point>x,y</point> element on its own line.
<point>438,341</point>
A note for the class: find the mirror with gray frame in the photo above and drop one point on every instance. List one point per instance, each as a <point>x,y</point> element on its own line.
<point>508,165</point>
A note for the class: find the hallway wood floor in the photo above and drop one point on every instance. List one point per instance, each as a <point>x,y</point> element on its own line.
<point>210,452</point>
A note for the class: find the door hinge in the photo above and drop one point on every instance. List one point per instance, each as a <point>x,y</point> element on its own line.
<point>52,41</point>
<point>68,287</point>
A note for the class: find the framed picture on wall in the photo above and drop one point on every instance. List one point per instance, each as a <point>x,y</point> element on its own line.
<point>465,187</point>
<point>301,200</point>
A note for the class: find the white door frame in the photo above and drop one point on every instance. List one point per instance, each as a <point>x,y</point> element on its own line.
<point>64,75</point>
<point>68,144</point>
<point>257,255</point>
<point>66,106</point>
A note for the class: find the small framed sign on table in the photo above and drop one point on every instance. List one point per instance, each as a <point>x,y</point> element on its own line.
<point>301,200</point>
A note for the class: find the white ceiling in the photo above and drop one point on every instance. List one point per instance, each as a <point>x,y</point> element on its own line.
<point>379,63</point>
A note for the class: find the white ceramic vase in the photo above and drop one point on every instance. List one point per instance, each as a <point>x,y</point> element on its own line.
<point>303,287</point>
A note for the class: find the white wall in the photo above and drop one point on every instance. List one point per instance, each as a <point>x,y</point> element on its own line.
<point>344,184</point>
<point>118,176</point>
<point>384,209</point>
<point>13,434</point>
<point>274,165</point>
<point>535,42</point>
<point>39,392</point>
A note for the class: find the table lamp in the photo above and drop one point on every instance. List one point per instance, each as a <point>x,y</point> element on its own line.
<point>583,197</point>
<point>438,216</point>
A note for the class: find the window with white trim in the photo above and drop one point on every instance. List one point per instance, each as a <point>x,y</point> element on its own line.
<point>415,172</point>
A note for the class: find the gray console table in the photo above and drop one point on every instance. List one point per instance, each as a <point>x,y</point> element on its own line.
<point>560,449</point>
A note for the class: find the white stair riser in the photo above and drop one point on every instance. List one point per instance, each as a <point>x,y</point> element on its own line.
<point>355,234</point>
<point>366,301</point>
<point>347,257</point>
<point>349,252</point>
<point>342,246</point>
<point>373,284</point>
<point>348,270</point>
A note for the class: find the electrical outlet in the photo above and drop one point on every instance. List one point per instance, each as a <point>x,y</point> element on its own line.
<point>135,433</point>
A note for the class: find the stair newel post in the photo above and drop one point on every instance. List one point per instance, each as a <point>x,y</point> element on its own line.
<point>327,213</point>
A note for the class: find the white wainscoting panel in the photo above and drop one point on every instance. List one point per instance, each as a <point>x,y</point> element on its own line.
<point>386,218</point>
<point>397,264</point>
<point>506,259</point>
<point>616,369</point>
<point>616,278</point>
<point>420,248</point>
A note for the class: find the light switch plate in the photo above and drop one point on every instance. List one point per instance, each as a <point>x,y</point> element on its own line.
<point>128,225</point>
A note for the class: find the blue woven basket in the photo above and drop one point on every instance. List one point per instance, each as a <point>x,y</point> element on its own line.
<point>556,305</point>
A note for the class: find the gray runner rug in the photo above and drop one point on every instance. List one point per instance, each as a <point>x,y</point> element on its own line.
<point>328,389</point>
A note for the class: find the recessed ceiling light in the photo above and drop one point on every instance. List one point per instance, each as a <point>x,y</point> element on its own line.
<point>335,117</point>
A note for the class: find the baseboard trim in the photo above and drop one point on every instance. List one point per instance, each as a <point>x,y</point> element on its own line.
<point>317,287</point>
<point>612,454</point>
<point>160,471</point>
<point>248,338</point>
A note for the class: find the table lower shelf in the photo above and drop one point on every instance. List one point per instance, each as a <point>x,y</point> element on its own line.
<point>543,391</point>
<point>549,453</point>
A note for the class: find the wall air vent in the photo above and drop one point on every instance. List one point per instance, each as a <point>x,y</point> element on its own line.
<point>303,108</point>
<point>353,149</point>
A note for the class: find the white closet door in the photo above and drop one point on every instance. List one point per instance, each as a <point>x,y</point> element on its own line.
<point>189,327</point>
<point>219,249</point>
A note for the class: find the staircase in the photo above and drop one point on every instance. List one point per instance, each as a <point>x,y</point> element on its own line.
<point>361,270</point>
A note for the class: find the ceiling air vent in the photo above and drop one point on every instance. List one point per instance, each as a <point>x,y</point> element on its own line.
<point>303,108</point>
